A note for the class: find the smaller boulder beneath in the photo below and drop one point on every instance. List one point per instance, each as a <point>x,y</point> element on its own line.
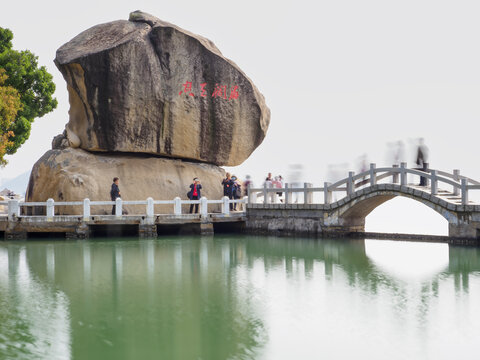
<point>75,174</point>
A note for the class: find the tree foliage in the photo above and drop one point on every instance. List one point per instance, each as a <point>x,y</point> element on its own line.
<point>34,85</point>
<point>10,105</point>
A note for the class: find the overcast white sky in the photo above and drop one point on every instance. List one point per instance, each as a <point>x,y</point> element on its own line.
<point>342,78</point>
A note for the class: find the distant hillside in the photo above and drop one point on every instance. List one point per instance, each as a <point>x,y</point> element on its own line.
<point>18,184</point>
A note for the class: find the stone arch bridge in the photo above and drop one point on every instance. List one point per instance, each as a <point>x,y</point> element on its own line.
<point>446,193</point>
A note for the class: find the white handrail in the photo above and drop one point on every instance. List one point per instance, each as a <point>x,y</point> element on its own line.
<point>14,206</point>
<point>371,177</point>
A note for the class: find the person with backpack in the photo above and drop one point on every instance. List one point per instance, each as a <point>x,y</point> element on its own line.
<point>236,191</point>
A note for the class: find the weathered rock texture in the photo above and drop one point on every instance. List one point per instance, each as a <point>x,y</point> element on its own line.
<point>75,174</point>
<point>3,208</point>
<point>124,80</point>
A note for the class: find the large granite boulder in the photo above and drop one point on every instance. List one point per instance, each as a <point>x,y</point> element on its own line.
<point>147,86</point>
<point>74,174</point>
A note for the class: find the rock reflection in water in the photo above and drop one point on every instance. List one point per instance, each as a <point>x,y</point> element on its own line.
<point>238,297</point>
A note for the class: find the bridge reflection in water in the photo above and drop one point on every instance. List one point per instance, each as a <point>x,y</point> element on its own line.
<point>237,297</point>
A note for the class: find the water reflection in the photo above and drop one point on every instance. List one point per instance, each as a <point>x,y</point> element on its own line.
<point>237,297</point>
<point>34,316</point>
<point>408,260</point>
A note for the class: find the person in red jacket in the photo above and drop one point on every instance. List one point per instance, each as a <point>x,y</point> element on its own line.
<point>195,193</point>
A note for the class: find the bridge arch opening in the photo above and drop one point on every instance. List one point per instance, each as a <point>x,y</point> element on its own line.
<point>406,216</point>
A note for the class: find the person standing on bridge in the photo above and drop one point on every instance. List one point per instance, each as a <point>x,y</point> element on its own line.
<point>115,192</point>
<point>236,192</point>
<point>422,162</point>
<point>195,193</point>
<point>227,187</point>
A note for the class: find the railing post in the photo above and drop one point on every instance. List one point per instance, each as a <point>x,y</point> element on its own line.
<point>456,177</point>
<point>86,209</point>
<point>288,194</point>
<point>403,174</point>
<point>327,195</point>
<point>244,204</point>
<point>265,194</point>
<point>203,207</point>
<point>395,174</point>
<point>225,205</point>
<point>249,193</point>
<point>373,176</point>
<point>50,209</point>
<point>307,194</point>
<point>177,206</point>
<point>464,183</point>
<point>13,209</point>
<point>350,182</point>
<point>434,182</point>
<point>118,207</point>
<point>150,209</point>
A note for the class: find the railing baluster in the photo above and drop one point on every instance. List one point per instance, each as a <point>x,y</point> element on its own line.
<point>50,209</point>
<point>266,199</point>
<point>86,209</point>
<point>373,176</point>
<point>250,194</point>
<point>203,207</point>
<point>150,209</point>
<point>177,206</point>
<point>464,183</point>
<point>288,194</point>
<point>456,177</point>
<point>225,205</point>
<point>327,195</point>
<point>118,207</point>
<point>350,182</point>
<point>403,174</point>
<point>13,209</point>
<point>434,182</point>
<point>307,194</point>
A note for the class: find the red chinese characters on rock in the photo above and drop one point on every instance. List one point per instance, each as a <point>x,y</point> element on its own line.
<point>220,91</point>
<point>187,89</point>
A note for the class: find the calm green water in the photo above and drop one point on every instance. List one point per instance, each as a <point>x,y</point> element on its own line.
<point>228,297</point>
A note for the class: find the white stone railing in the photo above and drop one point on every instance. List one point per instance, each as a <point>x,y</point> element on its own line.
<point>14,206</point>
<point>461,185</point>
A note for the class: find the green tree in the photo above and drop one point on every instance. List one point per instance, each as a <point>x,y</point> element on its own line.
<point>10,104</point>
<point>33,83</point>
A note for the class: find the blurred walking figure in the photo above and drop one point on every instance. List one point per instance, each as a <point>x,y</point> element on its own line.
<point>295,175</point>
<point>362,165</point>
<point>395,153</point>
<point>246,183</point>
<point>335,173</point>
<point>422,160</point>
<point>269,182</point>
<point>399,156</point>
